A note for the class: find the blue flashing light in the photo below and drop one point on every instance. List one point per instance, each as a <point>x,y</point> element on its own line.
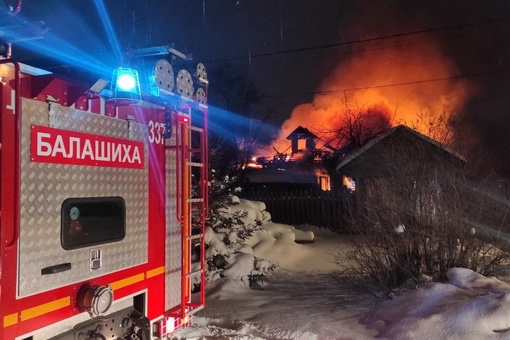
<point>125,83</point>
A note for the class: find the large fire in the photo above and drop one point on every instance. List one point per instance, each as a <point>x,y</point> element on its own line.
<point>416,83</point>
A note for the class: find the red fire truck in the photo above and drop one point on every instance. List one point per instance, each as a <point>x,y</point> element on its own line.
<point>103,201</point>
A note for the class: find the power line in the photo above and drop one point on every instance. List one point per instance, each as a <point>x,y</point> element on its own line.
<point>348,89</point>
<point>352,42</point>
<point>369,50</point>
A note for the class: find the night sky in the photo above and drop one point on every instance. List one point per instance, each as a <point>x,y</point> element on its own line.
<point>292,48</point>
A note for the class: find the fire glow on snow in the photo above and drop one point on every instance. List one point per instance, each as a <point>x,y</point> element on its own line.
<point>307,298</point>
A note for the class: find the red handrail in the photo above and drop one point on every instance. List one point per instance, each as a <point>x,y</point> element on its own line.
<point>11,233</point>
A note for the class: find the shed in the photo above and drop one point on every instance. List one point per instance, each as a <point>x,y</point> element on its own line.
<point>400,163</point>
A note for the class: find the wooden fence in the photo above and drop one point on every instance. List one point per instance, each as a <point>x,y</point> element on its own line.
<point>326,209</point>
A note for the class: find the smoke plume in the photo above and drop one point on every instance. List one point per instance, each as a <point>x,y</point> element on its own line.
<point>416,82</point>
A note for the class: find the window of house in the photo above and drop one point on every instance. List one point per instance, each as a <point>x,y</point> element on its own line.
<point>349,183</point>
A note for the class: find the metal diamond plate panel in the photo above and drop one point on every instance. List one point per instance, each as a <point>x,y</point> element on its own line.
<point>45,186</point>
<point>173,235</point>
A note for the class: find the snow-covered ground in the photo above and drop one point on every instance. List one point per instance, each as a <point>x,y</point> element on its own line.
<point>307,297</point>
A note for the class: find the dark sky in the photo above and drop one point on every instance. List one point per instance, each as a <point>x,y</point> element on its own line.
<point>290,47</point>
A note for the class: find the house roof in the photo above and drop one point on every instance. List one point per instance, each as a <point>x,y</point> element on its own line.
<point>301,133</point>
<point>396,129</point>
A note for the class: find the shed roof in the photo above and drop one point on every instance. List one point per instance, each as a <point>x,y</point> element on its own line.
<point>394,130</point>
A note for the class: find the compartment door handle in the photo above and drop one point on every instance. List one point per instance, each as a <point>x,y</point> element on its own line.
<point>58,268</point>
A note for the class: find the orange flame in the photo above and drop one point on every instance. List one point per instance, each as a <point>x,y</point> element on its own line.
<point>416,82</point>
<point>349,183</point>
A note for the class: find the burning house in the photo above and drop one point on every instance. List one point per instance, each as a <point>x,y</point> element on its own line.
<point>301,134</point>
<point>301,167</point>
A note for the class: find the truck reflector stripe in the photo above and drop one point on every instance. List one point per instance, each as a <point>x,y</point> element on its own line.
<point>45,308</point>
<point>49,145</point>
<point>155,272</point>
<point>127,281</point>
<point>10,319</point>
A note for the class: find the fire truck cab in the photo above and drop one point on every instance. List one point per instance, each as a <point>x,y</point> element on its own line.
<point>102,204</point>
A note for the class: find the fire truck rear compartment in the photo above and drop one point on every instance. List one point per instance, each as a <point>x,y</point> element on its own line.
<point>46,186</point>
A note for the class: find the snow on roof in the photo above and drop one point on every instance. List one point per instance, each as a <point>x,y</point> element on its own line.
<point>393,130</point>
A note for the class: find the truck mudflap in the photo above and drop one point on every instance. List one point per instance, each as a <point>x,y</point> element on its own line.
<point>126,324</point>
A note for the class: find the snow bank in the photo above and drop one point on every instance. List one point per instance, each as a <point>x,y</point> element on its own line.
<point>256,210</point>
<point>256,214</point>
<point>469,306</point>
<point>248,260</point>
<point>280,243</point>
<point>274,242</point>
<point>271,244</point>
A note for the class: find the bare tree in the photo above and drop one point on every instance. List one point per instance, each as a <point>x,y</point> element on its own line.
<point>435,126</point>
<point>237,118</point>
<point>356,125</point>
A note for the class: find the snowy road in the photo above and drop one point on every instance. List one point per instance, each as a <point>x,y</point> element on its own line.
<point>292,306</point>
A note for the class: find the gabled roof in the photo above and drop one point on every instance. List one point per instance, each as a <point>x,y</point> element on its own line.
<point>396,129</point>
<point>301,133</point>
